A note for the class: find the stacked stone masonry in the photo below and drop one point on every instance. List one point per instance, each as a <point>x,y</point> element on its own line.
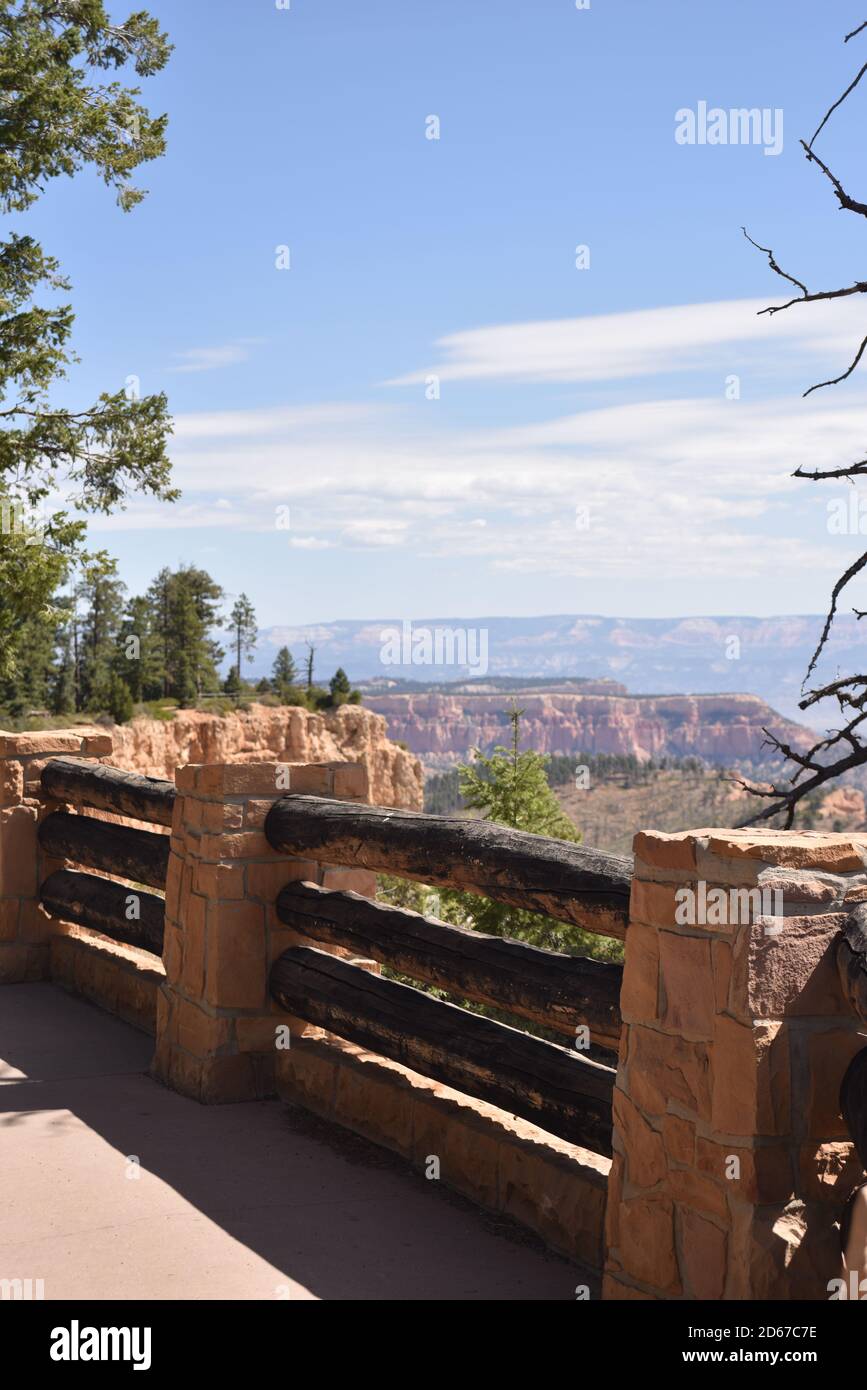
<point>731,1158</point>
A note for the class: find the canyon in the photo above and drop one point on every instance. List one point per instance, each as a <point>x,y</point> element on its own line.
<point>442,729</point>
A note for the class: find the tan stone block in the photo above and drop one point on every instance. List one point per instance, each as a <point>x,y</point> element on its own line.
<point>199,1032</point>
<point>654,904</point>
<point>829,1171</point>
<point>256,813</point>
<point>751,1078</point>
<point>794,972</point>
<point>281,939</point>
<point>18,850</point>
<point>344,880</point>
<point>678,1138</point>
<point>665,1068</point>
<point>173,952</point>
<point>34,924</point>
<point>11,783</point>
<point>375,1101</point>
<point>194,812</point>
<point>209,778</point>
<point>786,1252</point>
<point>97,746</point>
<point>721,967</point>
<point>351,781</point>
<point>542,1190</point>
<point>699,1193</point>
<point>834,853</point>
<point>664,851</point>
<point>703,1256</point>
<point>166,1020</point>
<point>173,885</point>
<point>307,1074</point>
<point>613,1199</point>
<point>642,1145</point>
<point>236,973</point>
<point>261,1034</point>
<point>193,967</point>
<point>227,1080</point>
<point>759,1176</point>
<point>647,1243</point>
<point>185,777</point>
<point>829,1052</point>
<point>233,815</point>
<point>639,992</point>
<point>687,986</point>
<point>264,881</point>
<point>250,779</point>
<point>242,844</point>
<point>308,779</point>
<point>219,881</point>
<point>42,741</point>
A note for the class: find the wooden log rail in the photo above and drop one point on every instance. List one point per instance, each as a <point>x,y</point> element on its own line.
<point>125,914</point>
<point>585,887</point>
<point>86,783</point>
<point>546,987</point>
<point>139,855</point>
<point>556,1089</point>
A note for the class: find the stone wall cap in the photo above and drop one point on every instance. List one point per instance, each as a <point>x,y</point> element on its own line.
<point>836,851</point>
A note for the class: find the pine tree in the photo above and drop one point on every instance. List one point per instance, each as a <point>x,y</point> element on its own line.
<point>183,609</point>
<point>59,116</point>
<point>242,622</point>
<point>283,672</point>
<point>510,787</point>
<point>101,593</point>
<point>339,687</point>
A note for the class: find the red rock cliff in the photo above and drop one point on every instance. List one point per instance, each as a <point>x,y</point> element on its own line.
<point>720,728</point>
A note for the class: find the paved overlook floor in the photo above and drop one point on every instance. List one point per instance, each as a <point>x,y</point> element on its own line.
<point>251,1201</point>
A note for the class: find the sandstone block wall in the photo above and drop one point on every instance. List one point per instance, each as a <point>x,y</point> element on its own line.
<point>25,930</point>
<point>731,1157</point>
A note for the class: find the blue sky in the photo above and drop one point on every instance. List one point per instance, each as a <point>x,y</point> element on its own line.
<point>582,455</point>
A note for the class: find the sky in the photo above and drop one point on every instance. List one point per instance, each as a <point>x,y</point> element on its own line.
<point>442,405</point>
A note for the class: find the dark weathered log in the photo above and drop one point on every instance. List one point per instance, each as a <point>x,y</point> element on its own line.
<point>852,960</point>
<point>554,1088</point>
<point>86,783</point>
<point>546,987</point>
<point>139,855</point>
<point>565,881</point>
<point>124,914</point>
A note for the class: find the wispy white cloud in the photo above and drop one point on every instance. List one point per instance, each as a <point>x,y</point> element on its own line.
<point>673,487</point>
<point>642,342</point>
<point>209,359</point>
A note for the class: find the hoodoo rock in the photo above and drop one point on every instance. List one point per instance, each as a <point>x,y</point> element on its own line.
<point>261,733</point>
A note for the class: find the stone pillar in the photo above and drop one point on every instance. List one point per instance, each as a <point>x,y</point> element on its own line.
<point>217,1027</point>
<point>24,928</point>
<point>731,1158</point>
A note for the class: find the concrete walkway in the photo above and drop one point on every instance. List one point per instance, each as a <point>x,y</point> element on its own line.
<point>114,1187</point>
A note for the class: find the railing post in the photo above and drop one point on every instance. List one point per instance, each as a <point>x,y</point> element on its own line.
<point>24,928</point>
<point>731,1158</point>
<point>218,1030</point>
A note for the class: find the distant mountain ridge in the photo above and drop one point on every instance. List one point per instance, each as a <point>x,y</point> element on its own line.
<point>766,657</point>
<point>721,730</point>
